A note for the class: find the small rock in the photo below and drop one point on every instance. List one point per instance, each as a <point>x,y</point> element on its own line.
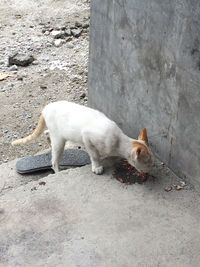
<point>86,25</point>
<point>34,188</point>
<point>58,42</point>
<point>46,33</point>
<point>68,32</point>
<point>20,59</point>
<point>85,30</point>
<point>168,188</point>
<point>35,62</point>
<point>75,78</point>
<point>49,45</point>
<point>76,32</point>
<point>19,78</point>
<point>178,187</point>
<point>57,34</point>
<point>70,46</point>
<point>78,24</point>
<point>42,86</point>
<point>83,95</point>
<point>81,72</point>
<point>183,183</point>
<point>24,75</point>
<point>42,183</point>
<point>46,58</point>
<point>18,16</point>
<point>68,39</point>
<point>13,68</point>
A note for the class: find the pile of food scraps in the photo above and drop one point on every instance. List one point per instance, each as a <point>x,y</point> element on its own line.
<point>126,173</point>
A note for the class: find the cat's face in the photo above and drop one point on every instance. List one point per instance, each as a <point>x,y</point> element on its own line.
<point>141,158</point>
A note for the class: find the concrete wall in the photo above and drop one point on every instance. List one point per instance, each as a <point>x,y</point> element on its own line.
<point>145,72</point>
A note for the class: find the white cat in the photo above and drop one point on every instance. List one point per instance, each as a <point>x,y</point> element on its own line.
<point>101,136</point>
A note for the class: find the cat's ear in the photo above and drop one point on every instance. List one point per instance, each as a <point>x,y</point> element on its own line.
<point>143,136</point>
<point>138,151</point>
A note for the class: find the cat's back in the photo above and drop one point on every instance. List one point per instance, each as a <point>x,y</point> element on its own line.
<point>72,111</point>
<point>71,120</point>
<point>60,106</point>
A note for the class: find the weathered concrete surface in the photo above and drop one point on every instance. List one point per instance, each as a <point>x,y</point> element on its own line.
<point>145,72</point>
<point>78,219</point>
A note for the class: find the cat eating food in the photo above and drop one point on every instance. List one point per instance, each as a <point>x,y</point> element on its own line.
<point>102,138</point>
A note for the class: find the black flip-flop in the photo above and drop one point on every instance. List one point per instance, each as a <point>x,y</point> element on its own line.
<point>71,158</point>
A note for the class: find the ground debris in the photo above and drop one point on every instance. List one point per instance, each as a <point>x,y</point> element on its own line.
<point>58,34</point>
<point>168,188</point>
<point>183,183</point>
<point>176,187</point>
<point>34,188</point>
<point>42,183</point>
<point>4,76</point>
<point>20,59</point>
<point>76,32</point>
<point>58,42</point>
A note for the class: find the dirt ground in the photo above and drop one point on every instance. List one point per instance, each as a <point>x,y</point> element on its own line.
<point>58,73</point>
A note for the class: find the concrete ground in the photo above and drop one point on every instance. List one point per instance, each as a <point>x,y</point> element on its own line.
<point>76,218</point>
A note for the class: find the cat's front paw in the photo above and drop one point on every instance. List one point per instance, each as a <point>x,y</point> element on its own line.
<point>97,170</point>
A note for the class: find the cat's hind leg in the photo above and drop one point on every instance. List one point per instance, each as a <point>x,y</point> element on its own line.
<point>57,146</point>
<point>97,168</point>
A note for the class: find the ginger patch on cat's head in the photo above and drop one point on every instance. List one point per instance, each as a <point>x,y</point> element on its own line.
<point>141,150</point>
<point>142,156</point>
<point>141,153</point>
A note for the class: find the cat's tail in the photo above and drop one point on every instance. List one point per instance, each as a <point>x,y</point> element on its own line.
<point>36,133</point>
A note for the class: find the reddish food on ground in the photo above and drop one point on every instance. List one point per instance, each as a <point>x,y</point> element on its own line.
<point>125,173</point>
